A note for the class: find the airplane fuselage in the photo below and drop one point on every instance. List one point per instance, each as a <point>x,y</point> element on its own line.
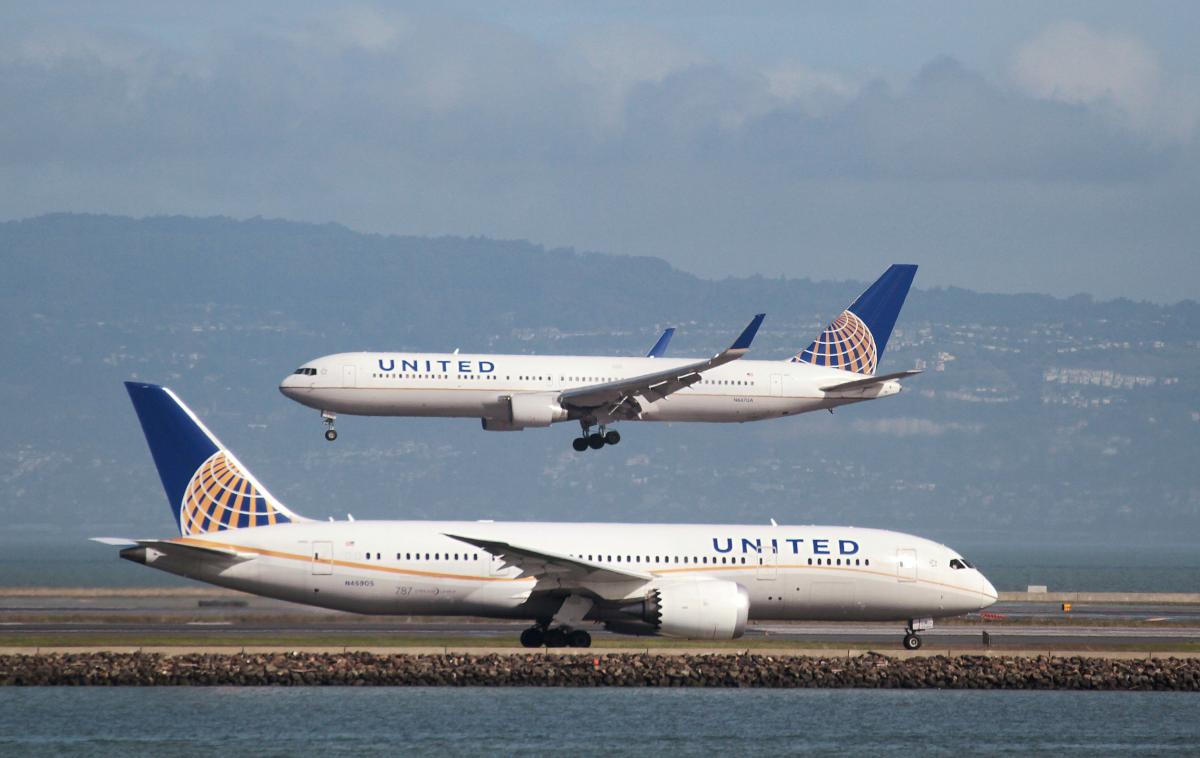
<point>403,567</point>
<point>478,386</point>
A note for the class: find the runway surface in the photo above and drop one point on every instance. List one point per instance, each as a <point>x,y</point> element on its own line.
<point>956,636</point>
<point>128,619</point>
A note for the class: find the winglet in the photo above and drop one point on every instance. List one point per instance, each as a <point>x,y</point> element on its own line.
<point>660,347</point>
<point>747,336</point>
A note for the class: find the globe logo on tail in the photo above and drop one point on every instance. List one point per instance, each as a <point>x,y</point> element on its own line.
<point>845,344</point>
<point>220,496</point>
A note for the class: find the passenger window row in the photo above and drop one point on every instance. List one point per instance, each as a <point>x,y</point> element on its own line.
<point>726,560</point>
<point>703,560</point>
<point>435,556</point>
<point>432,376</point>
<point>838,562</point>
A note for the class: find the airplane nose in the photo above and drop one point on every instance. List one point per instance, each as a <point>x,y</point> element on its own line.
<point>290,386</point>
<point>987,589</point>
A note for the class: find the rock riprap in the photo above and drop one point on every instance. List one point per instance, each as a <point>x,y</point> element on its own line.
<point>613,670</point>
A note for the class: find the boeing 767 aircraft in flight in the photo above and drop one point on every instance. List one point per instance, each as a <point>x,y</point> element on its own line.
<point>693,581</point>
<point>514,392</point>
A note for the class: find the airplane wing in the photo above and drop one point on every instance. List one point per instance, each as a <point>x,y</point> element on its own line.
<point>541,563</point>
<point>870,381</point>
<point>660,347</point>
<point>656,385</point>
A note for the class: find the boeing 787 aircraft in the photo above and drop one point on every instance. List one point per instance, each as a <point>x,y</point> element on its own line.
<point>694,581</point>
<point>514,392</point>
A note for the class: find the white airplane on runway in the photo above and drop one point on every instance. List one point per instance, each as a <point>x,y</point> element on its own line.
<point>515,392</point>
<point>695,581</point>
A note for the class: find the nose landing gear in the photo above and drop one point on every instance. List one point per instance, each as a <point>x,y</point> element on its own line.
<point>594,440</point>
<point>327,419</point>
<point>912,640</point>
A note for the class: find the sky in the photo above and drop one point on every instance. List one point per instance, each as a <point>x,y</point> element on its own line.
<point>1006,147</point>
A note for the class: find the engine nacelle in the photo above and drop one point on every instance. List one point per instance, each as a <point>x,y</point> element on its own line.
<point>535,409</point>
<point>702,610</point>
<point>515,412</point>
<point>499,425</point>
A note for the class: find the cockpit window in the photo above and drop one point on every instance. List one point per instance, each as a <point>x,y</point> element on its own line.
<point>306,371</point>
<point>961,563</point>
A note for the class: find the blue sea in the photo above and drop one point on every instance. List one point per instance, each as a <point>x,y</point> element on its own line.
<point>491,721</point>
<point>1063,568</point>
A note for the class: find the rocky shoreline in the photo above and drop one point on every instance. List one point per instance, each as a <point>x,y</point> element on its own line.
<point>871,671</point>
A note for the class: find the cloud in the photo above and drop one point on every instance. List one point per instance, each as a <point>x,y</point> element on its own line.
<point>951,123</point>
<point>415,89</point>
<point>1116,74</point>
<point>910,427</point>
<point>619,139</point>
<point>816,92</point>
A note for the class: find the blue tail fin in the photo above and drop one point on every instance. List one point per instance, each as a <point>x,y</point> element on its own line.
<point>660,347</point>
<point>856,339</point>
<point>208,489</point>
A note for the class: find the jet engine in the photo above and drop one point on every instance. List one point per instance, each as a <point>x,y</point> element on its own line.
<point>700,610</point>
<point>531,409</point>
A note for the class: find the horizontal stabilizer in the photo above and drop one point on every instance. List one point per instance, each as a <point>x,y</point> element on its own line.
<point>870,381</point>
<point>136,550</point>
<point>185,547</point>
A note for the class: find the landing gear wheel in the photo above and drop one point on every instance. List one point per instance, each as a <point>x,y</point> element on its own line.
<point>532,637</point>
<point>555,638</point>
<point>579,638</point>
<point>595,441</point>
<point>912,642</point>
<point>328,418</point>
<point>612,438</point>
<point>580,444</point>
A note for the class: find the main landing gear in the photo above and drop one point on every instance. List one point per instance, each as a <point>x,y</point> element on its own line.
<point>327,419</point>
<point>559,636</point>
<point>595,440</point>
<point>912,640</point>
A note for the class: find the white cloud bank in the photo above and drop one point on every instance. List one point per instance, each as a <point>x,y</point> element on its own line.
<point>1072,63</point>
<point>1078,174</point>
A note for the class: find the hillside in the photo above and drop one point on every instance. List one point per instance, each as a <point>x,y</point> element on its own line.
<point>1037,418</point>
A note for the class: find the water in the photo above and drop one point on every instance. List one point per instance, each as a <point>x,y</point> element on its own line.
<point>1079,568</point>
<point>490,721</point>
<point>1090,568</point>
